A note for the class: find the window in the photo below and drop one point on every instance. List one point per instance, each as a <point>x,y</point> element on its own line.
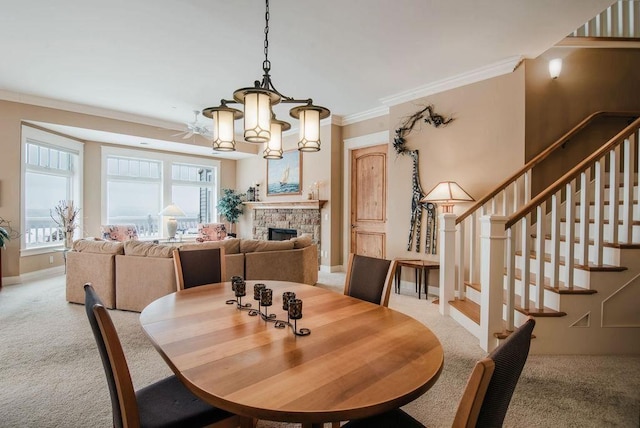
<point>139,184</point>
<point>51,172</point>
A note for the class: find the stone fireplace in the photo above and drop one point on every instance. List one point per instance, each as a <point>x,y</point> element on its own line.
<point>301,217</point>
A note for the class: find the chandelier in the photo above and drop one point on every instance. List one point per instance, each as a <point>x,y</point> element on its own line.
<point>260,123</point>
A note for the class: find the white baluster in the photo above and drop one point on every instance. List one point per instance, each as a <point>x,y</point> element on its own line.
<point>540,255</point>
<point>583,234</point>
<point>526,260</point>
<point>461,263</point>
<point>511,278</point>
<point>626,215</point>
<point>554,250</point>
<point>614,193</point>
<point>473,249</point>
<point>598,214</point>
<point>569,234</point>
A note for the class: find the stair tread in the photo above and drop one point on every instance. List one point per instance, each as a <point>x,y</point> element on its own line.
<point>590,267</point>
<point>558,289</point>
<point>593,203</point>
<point>467,307</point>
<point>592,221</point>
<point>472,310</point>
<point>576,240</point>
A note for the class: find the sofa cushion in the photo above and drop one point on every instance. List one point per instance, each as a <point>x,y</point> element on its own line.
<point>211,232</point>
<point>119,232</point>
<point>257,245</point>
<point>147,249</point>
<point>98,247</point>
<point>302,241</point>
<point>231,246</point>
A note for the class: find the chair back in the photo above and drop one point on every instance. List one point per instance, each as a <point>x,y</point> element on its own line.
<point>199,267</point>
<point>509,359</point>
<point>369,278</point>
<point>473,395</point>
<point>123,398</point>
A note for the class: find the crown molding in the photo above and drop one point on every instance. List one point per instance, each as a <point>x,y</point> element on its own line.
<point>365,115</point>
<point>87,109</point>
<point>496,69</point>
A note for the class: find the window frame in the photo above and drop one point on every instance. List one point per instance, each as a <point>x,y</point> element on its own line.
<point>166,179</point>
<point>31,135</point>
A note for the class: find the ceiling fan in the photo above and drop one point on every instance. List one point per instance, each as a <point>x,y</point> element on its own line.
<point>195,128</point>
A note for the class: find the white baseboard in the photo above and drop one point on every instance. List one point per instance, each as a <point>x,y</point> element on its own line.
<point>34,276</point>
<point>331,269</point>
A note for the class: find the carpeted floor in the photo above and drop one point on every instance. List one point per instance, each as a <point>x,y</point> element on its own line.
<point>51,374</point>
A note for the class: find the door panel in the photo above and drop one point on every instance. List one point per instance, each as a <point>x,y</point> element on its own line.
<point>369,201</point>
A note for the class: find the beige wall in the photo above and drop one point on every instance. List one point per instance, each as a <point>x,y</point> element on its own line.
<point>478,149</point>
<point>591,80</point>
<point>319,167</point>
<point>11,117</point>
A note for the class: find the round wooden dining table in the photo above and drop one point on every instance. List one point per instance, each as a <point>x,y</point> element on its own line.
<point>360,359</point>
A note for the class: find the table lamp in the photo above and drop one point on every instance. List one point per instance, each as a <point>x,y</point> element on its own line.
<point>172,211</point>
<point>446,193</point>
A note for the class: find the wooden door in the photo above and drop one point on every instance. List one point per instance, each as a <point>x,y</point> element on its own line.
<point>369,201</point>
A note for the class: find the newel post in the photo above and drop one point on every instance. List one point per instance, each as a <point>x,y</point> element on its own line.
<point>492,244</point>
<point>447,279</point>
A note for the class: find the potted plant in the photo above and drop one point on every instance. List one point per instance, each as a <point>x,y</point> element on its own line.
<point>230,207</point>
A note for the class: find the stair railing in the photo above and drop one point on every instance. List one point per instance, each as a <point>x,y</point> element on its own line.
<point>622,154</point>
<point>620,20</point>
<point>512,201</point>
<point>507,198</point>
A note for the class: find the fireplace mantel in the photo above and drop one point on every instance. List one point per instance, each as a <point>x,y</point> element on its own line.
<point>312,204</point>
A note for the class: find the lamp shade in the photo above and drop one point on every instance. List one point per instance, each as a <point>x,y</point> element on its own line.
<point>172,210</point>
<point>447,192</point>
<point>257,112</point>
<point>309,117</point>
<point>223,126</point>
<point>555,67</point>
<point>273,149</point>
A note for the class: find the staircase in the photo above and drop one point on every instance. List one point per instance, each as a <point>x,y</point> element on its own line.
<point>569,256</point>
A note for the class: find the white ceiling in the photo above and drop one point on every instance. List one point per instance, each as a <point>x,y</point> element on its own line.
<point>160,60</point>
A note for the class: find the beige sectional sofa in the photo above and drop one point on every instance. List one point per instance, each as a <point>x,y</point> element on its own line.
<point>130,275</point>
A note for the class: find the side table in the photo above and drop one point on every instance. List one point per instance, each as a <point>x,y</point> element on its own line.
<point>421,267</point>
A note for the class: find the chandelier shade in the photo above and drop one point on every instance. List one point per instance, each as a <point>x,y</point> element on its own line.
<point>309,117</point>
<point>273,149</point>
<point>259,119</point>
<point>257,112</point>
<point>223,126</point>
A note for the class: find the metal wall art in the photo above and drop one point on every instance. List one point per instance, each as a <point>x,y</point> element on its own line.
<point>428,116</point>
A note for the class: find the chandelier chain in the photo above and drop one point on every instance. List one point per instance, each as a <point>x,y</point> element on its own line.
<point>267,64</point>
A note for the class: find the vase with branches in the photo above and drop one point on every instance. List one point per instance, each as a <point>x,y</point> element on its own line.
<point>65,216</point>
<point>230,207</point>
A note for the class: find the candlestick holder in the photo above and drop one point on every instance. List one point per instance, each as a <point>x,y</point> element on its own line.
<point>295,313</point>
<point>239,287</point>
<point>264,296</point>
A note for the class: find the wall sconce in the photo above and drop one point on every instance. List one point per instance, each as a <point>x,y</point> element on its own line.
<point>555,66</point>
<point>446,193</point>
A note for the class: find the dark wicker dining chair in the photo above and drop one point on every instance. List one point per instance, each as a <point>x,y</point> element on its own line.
<point>199,267</point>
<point>489,389</point>
<point>369,278</point>
<point>166,403</point>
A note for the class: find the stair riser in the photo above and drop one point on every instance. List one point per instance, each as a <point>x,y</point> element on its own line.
<point>580,276</point>
<point>606,231</point>
<point>592,210</point>
<point>610,256</point>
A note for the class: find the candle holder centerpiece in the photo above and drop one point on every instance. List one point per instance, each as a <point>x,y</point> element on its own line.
<point>264,296</point>
<point>239,287</point>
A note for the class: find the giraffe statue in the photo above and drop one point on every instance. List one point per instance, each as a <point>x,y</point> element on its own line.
<point>436,120</point>
<point>416,206</point>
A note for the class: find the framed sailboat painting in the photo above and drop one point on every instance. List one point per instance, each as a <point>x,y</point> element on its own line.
<point>284,175</point>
